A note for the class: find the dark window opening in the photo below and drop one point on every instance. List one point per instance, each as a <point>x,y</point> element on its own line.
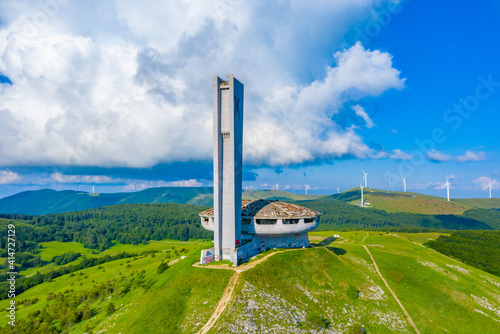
<point>291,221</point>
<point>309,220</point>
<point>265,221</point>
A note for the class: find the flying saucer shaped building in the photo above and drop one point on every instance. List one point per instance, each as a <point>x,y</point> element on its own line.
<point>243,229</point>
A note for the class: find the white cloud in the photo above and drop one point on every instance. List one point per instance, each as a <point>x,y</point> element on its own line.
<point>397,154</point>
<point>471,156</point>
<point>132,85</point>
<point>437,156</point>
<point>360,111</point>
<point>7,177</point>
<point>483,181</point>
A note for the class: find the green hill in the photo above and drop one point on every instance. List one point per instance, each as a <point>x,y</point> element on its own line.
<point>481,203</point>
<point>337,213</point>
<point>404,202</point>
<point>332,287</point>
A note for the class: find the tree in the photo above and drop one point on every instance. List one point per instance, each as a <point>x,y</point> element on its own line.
<point>352,292</point>
<point>162,267</point>
<point>110,309</point>
<point>86,312</point>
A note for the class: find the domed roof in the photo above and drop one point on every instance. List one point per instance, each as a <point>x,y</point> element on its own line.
<point>268,209</point>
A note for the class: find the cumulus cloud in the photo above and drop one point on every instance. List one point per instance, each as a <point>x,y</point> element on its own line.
<point>483,181</point>
<point>7,177</point>
<point>132,86</point>
<point>397,154</point>
<point>360,111</point>
<point>471,156</point>
<point>437,156</point>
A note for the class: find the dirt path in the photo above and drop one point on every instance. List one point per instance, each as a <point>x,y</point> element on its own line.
<point>226,298</point>
<point>392,292</point>
<point>173,262</point>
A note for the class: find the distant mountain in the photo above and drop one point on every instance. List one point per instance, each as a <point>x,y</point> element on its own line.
<point>50,201</point>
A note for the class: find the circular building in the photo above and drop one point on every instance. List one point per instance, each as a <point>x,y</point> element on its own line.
<point>267,224</point>
<point>270,218</point>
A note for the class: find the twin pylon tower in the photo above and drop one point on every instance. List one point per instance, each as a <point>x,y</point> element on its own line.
<point>228,160</point>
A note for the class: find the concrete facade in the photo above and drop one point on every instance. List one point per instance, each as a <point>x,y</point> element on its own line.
<point>243,229</point>
<point>228,160</point>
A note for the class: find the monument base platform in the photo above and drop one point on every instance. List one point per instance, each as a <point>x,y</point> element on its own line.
<point>253,245</point>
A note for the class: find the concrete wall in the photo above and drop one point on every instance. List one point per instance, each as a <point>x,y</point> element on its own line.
<point>228,159</point>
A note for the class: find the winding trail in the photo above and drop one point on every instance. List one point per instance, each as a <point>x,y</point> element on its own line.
<point>392,292</point>
<point>228,293</point>
<point>226,297</point>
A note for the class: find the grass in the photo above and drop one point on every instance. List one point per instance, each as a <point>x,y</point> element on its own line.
<point>180,300</point>
<point>303,289</point>
<point>416,204</point>
<point>291,288</point>
<point>56,248</point>
<point>481,203</point>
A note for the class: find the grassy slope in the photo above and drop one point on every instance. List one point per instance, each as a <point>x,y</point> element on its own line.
<point>409,202</point>
<point>56,248</point>
<point>296,288</point>
<point>181,300</point>
<point>481,203</point>
<point>437,297</point>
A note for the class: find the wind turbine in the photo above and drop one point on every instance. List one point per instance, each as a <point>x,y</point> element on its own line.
<point>387,180</point>
<point>338,190</point>
<point>306,187</point>
<point>277,187</point>
<point>93,189</point>
<point>366,181</point>
<point>404,182</point>
<point>362,200</point>
<point>489,186</point>
<point>447,186</point>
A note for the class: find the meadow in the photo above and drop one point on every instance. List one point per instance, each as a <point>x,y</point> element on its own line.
<point>294,291</point>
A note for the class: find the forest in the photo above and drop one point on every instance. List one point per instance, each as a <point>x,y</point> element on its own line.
<point>479,249</point>
<point>98,228</point>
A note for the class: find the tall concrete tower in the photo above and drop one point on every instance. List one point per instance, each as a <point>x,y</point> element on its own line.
<point>228,148</point>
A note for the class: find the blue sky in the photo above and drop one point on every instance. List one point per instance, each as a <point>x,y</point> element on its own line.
<point>118,95</point>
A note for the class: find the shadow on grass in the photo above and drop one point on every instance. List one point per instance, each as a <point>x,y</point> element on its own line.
<point>337,251</point>
<point>325,242</point>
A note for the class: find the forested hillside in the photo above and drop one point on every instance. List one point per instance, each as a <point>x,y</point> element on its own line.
<point>480,249</point>
<point>127,224</point>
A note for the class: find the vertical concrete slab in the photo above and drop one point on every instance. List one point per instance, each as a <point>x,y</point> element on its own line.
<point>228,159</point>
